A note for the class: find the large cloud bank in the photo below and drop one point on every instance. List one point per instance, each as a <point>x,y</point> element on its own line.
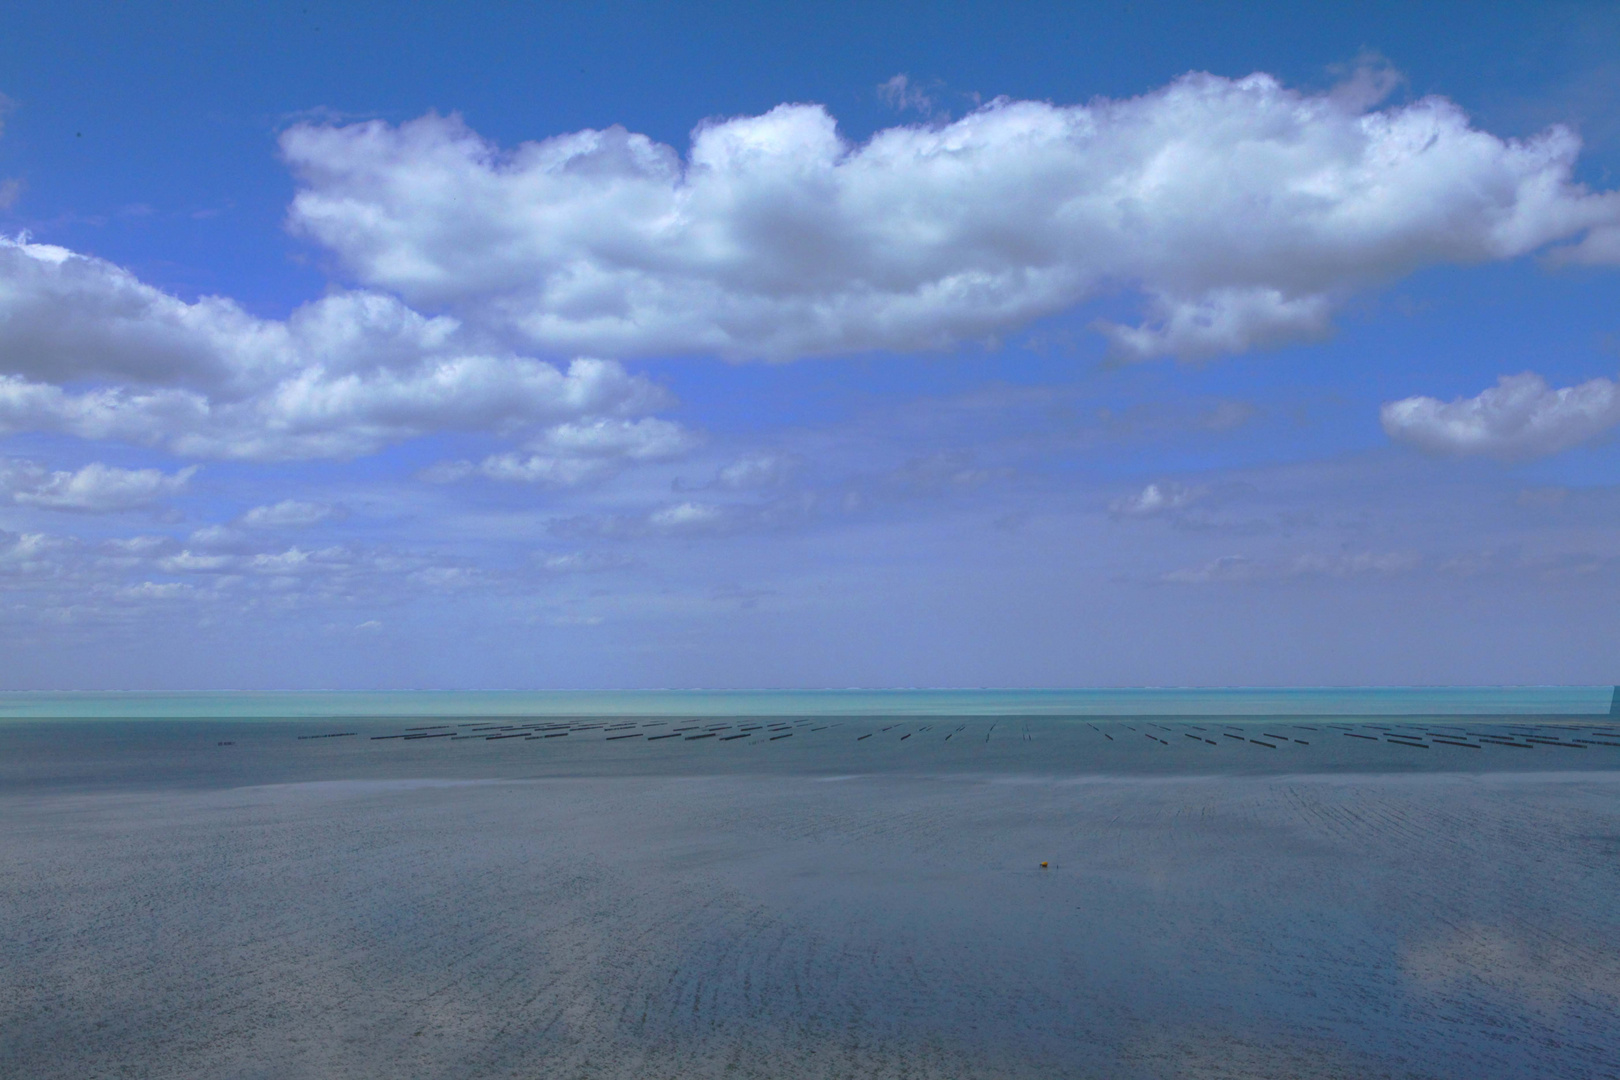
<point>1244,212</point>
<point>89,350</point>
<point>1521,417</point>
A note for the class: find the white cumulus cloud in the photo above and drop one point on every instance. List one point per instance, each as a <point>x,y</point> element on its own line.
<point>1243,211</point>
<point>89,350</point>
<point>95,488</point>
<point>1521,417</point>
<point>1601,247</point>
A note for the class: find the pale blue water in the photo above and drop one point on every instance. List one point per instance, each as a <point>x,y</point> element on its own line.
<point>1149,701</point>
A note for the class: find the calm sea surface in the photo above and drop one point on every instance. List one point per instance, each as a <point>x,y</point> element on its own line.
<point>1311,884</point>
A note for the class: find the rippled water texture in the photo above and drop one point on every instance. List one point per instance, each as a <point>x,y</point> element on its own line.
<point>812,896</point>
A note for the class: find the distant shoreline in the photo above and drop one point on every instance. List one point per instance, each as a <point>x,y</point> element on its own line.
<point>1226,701</point>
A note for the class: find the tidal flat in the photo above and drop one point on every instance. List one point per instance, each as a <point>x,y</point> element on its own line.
<point>803,897</point>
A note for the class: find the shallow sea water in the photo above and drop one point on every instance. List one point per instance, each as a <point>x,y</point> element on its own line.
<point>818,895</point>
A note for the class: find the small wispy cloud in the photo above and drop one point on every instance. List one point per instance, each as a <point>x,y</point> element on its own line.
<point>900,93</point>
<point>1157,498</point>
<point>581,562</point>
<point>575,453</point>
<point>1240,568</point>
<point>292,514</point>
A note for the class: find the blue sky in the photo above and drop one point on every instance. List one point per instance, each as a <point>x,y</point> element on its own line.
<point>601,345</point>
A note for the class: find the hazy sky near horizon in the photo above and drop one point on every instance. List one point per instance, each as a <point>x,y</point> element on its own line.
<point>629,345</point>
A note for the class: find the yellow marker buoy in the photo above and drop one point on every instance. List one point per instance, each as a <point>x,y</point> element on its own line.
<point>1043,866</point>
